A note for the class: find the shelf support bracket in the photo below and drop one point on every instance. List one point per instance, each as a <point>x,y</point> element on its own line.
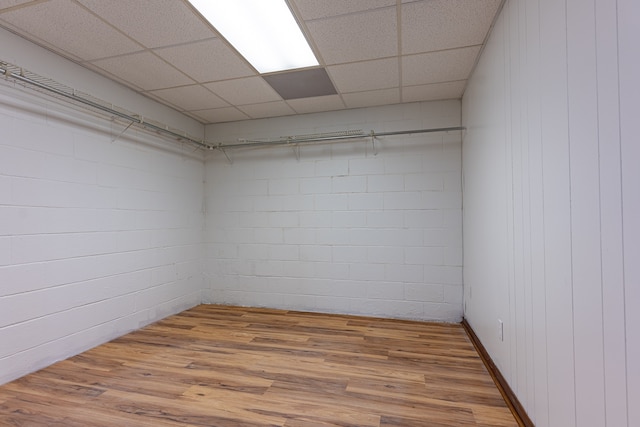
<point>373,143</point>
<point>229,159</point>
<point>122,133</point>
<point>296,151</point>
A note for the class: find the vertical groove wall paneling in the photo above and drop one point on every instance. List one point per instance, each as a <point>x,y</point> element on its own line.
<point>613,316</point>
<point>566,87</point>
<point>629,67</point>
<point>585,213</point>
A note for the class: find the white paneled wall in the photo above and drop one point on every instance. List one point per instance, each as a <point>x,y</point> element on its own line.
<point>342,229</point>
<point>552,208</point>
<point>97,237</point>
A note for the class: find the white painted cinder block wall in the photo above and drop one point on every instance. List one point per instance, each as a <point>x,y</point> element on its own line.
<point>97,238</point>
<point>552,208</point>
<point>341,229</point>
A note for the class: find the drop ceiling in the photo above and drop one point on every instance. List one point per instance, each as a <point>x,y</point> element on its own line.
<point>374,52</point>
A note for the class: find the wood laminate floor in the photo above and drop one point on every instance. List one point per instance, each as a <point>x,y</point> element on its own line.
<point>230,366</point>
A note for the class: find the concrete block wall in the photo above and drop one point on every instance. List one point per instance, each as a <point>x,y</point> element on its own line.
<point>97,237</point>
<point>348,227</point>
<point>102,233</point>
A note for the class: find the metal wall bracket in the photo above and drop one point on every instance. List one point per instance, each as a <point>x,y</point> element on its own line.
<point>229,159</point>
<point>122,133</point>
<point>373,144</point>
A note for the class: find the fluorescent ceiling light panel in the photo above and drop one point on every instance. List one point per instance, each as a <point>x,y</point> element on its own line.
<point>263,31</point>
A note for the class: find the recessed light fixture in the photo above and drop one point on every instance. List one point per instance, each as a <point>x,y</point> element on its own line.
<point>263,31</point>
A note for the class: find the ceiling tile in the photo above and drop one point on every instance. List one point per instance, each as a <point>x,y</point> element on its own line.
<point>165,50</point>
<point>268,109</point>
<point>368,75</point>
<point>436,67</point>
<point>153,23</point>
<point>314,105</point>
<point>314,9</point>
<point>372,98</point>
<point>144,70</point>
<point>356,37</point>
<point>219,115</point>
<point>190,98</point>
<point>207,61</point>
<point>433,92</point>
<point>251,90</point>
<point>68,28</point>
<point>445,24</point>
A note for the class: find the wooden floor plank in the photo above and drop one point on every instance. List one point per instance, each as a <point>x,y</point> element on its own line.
<point>238,366</point>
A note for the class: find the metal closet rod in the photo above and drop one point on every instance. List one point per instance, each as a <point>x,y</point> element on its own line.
<point>297,141</point>
<point>201,143</point>
<point>133,119</point>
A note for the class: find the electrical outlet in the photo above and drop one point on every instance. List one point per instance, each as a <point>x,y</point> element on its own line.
<point>500,330</point>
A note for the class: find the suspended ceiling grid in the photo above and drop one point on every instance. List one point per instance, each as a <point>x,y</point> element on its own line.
<point>375,52</point>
